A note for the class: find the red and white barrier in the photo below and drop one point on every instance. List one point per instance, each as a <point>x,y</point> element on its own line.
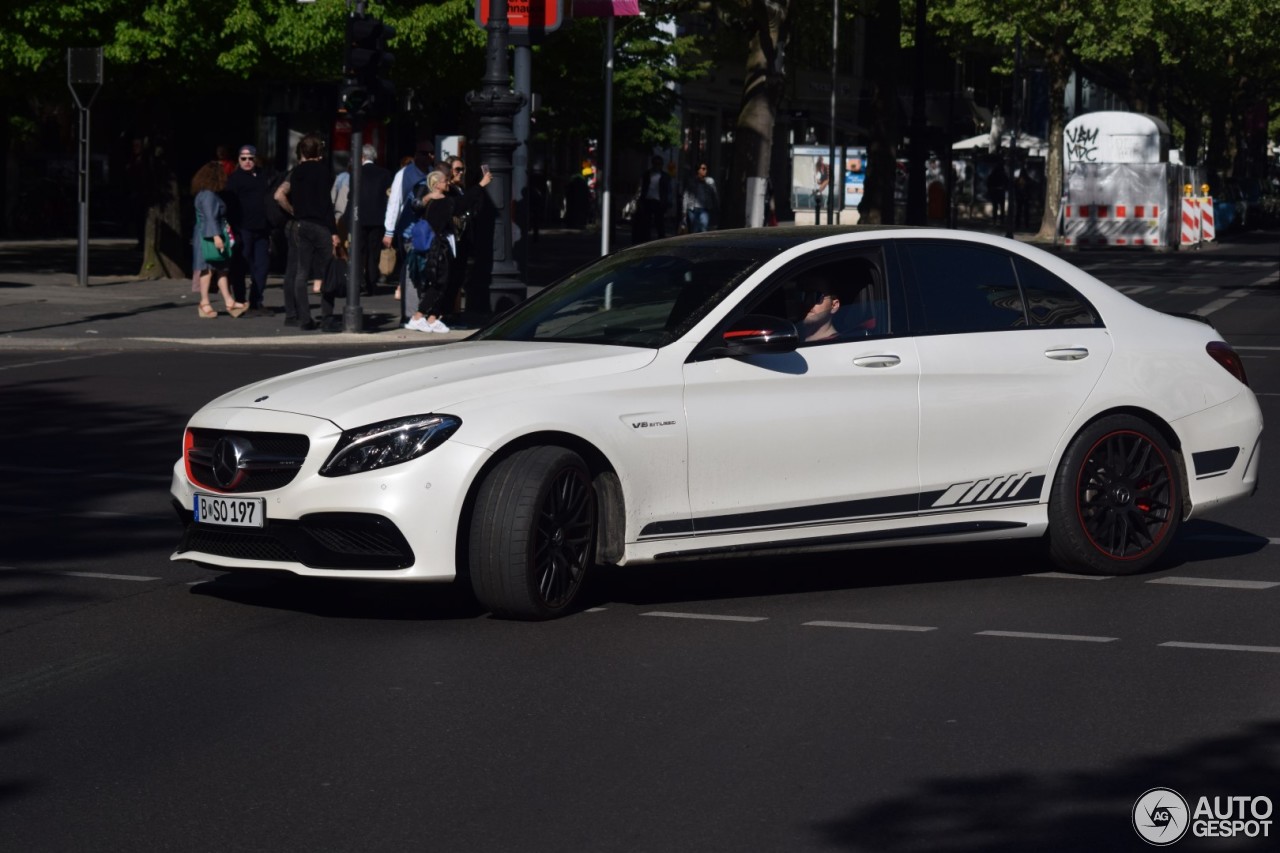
<point>1190,222</point>
<point>1111,225</point>
<point>1206,219</point>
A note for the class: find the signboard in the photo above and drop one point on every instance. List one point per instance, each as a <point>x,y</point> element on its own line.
<point>810,176</point>
<point>528,19</point>
<point>855,175</point>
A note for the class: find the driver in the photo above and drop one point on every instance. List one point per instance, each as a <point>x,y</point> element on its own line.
<point>818,304</point>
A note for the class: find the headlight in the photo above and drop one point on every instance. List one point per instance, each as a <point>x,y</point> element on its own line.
<point>388,443</point>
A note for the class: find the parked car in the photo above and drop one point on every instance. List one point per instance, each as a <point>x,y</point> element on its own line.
<point>760,391</point>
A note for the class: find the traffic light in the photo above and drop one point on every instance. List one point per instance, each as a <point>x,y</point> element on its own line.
<point>365,61</point>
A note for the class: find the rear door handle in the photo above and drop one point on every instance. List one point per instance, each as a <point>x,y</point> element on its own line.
<point>1067,354</point>
<point>877,361</point>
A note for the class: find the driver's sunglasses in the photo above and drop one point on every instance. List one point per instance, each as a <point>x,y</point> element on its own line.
<point>458,170</point>
<point>812,297</point>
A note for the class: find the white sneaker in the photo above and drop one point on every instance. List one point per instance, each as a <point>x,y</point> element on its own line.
<point>418,325</point>
<point>437,325</point>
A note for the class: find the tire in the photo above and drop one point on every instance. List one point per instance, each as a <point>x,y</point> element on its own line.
<point>1116,500</point>
<point>533,534</point>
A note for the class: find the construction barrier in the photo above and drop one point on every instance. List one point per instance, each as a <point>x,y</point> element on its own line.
<point>1112,225</point>
<point>1206,219</point>
<point>1190,222</point>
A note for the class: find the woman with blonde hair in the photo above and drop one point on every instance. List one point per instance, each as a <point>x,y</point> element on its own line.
<point>429,269</point>
<point>211,227</point>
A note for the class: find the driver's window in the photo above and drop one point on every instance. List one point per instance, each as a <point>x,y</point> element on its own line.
<point>840,300</point>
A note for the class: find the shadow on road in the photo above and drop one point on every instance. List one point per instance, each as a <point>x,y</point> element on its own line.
<point>1066,812</point>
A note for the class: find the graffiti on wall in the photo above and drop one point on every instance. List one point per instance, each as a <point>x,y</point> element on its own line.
<point>1082,144</point>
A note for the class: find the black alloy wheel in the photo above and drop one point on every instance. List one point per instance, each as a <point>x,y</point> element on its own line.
<point>533,534</point>
<point>1116,502</point>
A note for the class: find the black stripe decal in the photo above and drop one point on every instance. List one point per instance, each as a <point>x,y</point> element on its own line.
<point>848,539</point>
<point>1210,462</point>
<point>863,509</point>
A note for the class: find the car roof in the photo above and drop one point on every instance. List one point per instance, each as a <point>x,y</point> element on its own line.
<point>781,239</point>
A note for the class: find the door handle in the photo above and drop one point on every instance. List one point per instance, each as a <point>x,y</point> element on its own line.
<point>877,361</point>
<point>1067,353</point>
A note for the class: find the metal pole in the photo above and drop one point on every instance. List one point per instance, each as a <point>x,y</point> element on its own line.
<point>831,163</point>
<point>82,242</point>
<point>1011,205</point>
<point>522,73</point>
<point>352,315</point>
<point>606,172</point>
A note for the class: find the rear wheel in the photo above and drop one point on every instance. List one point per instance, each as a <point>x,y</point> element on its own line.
<point>1116,500</point>
<point>533,533</point>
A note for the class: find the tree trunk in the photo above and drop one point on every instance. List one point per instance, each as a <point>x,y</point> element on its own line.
<point>1059,72</point>
<point>753,132</point>
<point>877,206</point>
<point>167,251</point>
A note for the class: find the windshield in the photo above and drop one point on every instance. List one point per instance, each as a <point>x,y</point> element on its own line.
<point>647,296</point>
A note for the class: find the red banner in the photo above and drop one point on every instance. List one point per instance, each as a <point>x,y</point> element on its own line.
<point>605,8</point>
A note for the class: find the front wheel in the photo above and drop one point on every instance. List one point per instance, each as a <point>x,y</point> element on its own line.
<point>533,533</point>
<point>1116,499</point>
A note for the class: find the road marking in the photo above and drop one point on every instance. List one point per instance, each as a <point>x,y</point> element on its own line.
<point>595,610</point>
<point>1225,584</point>
<point>869,626</point>
<point>1067,576</point>
<point>50,361</point>
<point>1031,635</point>
<point>102,575</point>
<point>1224,647</point>
<point>1219,304</point>
<point>1218,537</point>
<point>672,615</point>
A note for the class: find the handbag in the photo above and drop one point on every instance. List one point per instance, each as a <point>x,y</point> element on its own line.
<point>210,251</point>
<point>387,261</point>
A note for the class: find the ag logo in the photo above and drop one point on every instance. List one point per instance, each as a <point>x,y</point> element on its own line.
<point>1161,816</point>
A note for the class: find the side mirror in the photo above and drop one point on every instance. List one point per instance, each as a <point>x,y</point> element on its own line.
<point>759,333</point>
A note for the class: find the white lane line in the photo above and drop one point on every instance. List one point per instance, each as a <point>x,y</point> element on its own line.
<point>50,361</point>
<point>1215,582</point>
<point>1068,576</point>
<point>869,626</point>
<point>1223,647</point>
<point>1031,635</point>
<point>101,575</point>
<point>595,610</point>
<point>1218,537</point>
<point>1265,280</point>
<point>673,615</point>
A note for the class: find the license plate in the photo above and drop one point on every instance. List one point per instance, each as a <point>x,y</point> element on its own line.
<point>231,512</point>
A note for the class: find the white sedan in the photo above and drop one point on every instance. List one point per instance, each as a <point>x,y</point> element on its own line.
<point>739,392</point>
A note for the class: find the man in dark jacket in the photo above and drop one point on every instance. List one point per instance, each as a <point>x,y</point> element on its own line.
<point>654,199</point>
<point>375,186</point>
<point>245,193</point>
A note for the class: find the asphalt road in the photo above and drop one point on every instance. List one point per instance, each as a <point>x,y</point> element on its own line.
<point>946,699</point>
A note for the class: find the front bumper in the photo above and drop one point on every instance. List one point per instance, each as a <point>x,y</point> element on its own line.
<point>395,523</point>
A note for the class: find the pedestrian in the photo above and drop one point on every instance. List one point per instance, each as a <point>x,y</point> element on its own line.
<point>223,155</point>
<point>137,174</point>
<point>467,202</point>
<point>304,195</point>
<point>654,199</point>
<point>997,185</point>
<point>429,266</point>
<point>375,188</point>
<point>700,201</point>
<point>341,189</point>
<point>211,226</point>
<point>1022,200</point>
<point>400,213</point>
<point>246,194</point>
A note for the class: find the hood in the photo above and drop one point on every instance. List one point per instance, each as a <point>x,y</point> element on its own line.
<point>366,389</point>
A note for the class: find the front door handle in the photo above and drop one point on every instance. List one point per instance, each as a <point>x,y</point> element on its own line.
<point>1067,354</point>
<point>877,361</point>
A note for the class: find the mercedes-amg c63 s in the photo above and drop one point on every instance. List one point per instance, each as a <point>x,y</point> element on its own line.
<point>739,392</point>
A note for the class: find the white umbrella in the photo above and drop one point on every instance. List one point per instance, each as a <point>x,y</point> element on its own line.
<point>1034,145</point>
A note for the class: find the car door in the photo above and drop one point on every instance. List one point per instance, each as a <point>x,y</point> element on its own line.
<point>1008,354</point>
<point>795,444</point>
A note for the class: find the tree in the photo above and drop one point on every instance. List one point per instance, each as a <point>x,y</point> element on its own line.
<point>1066,33</point>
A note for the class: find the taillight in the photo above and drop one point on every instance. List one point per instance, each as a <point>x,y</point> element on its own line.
<point>1222,353</point>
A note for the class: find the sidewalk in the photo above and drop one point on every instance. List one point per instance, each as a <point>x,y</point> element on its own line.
<point>41,305</point>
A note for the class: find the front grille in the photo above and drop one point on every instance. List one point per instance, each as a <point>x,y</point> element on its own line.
<point>327,540</point>
<point>269,460</point>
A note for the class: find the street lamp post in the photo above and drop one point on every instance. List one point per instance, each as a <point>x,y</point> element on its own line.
<point>495,105</point>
